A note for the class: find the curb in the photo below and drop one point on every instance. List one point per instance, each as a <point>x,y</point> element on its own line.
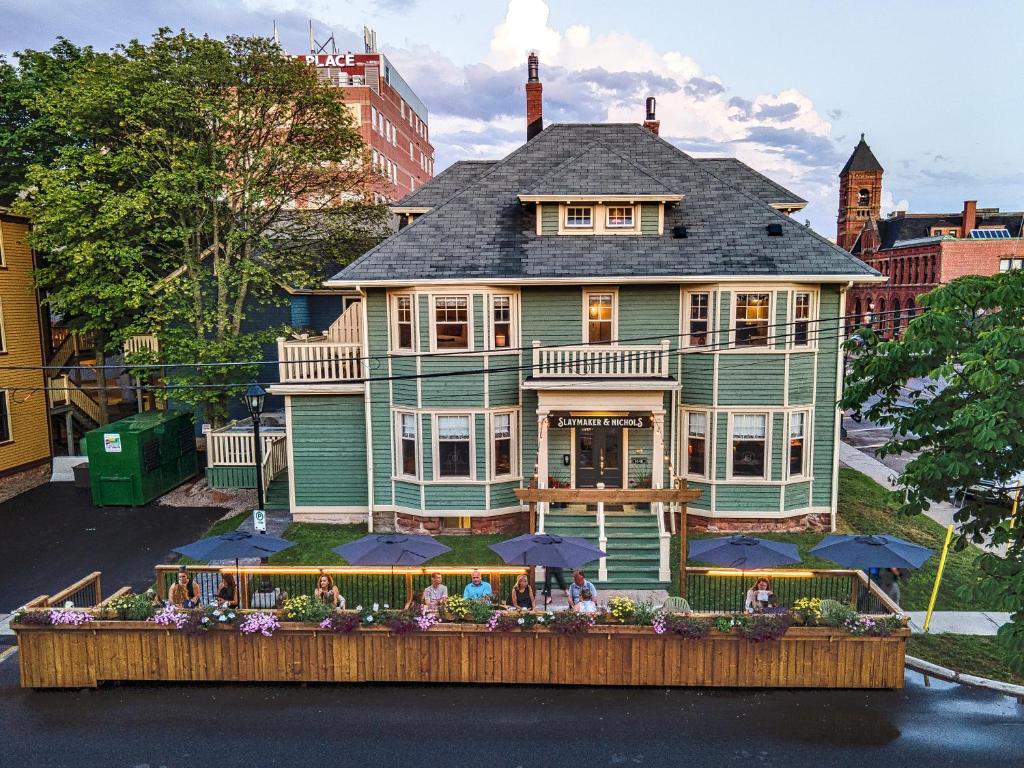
<point>934,670</point>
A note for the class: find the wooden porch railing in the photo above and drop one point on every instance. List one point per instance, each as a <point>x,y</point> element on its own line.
<point>348,328</point>
<point>275,460</point>
<point>229,447</point>
<point>318,361</point>
<point>141,342</point>
<point>601,360</point>
<point>63,391</point>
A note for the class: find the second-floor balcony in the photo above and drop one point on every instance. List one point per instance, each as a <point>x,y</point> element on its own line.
<point>336,356</point>
<point>602,361</point>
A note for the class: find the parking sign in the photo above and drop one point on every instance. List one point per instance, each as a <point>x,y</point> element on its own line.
<point>259,520</point>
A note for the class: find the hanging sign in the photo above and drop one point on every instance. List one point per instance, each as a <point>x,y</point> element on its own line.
<point>567,420</point>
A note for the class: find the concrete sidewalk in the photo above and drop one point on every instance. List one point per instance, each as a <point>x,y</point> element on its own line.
<point>941,512</point>
<point>959,622</point>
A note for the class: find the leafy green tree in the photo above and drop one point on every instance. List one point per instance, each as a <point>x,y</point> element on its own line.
<point>967,424</point>
<point>174,213</point>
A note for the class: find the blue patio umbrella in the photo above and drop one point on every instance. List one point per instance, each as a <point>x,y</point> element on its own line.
<point>548,550</point>
<point>876,551</point>
<point>391,549</point>
<point>234,545</point>
<point>743,552</point>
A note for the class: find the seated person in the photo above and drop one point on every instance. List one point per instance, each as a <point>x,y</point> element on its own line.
<point>227,592</point>
<point>266,595</point>
<point>326,592</point>
<point>184,593</point>
<point>759,597</point>
<point>415,602</point>
<point>579,583</point>
<point>477,589</point>
<point>586,602</point>
<point>522,594</point>
<point>436,594</point>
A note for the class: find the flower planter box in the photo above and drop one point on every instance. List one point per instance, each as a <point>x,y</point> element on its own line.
<point>805,657</point>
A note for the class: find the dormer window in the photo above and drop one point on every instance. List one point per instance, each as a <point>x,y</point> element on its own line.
<point>620,217</point>
<point>579,216</point>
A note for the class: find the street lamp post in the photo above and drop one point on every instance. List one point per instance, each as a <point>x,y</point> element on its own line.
<point>254,397</point>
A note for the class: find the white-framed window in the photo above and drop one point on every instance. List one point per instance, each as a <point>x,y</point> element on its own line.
<point>408,430</point>
<point>3,329</point>
<point>697,443</point>
<point>3,254</point>
<point>579,216</point>
<point>698,319</point>
<point>501,321</point>
<point>6,435</point>
<point>751,313</point>
<point>803,306</point>
<point>749,445</point>
<point>373,117</point>
<point>404,325</point>
<point>798,444</point>
<point>619,217</point>
<point>599,307</point>
<point>454,446</point>
<point>503,445</point>
<point>451,322</point>
<point>1005,265</point>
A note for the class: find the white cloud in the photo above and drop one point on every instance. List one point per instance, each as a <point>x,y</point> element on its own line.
<point>889,204</point>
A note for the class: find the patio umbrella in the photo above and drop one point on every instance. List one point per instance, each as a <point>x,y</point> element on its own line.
<point>234,545</point>
<point>548,550</point>
<point>743,552</point>
<point>391,549</point>
<point>876,551</point>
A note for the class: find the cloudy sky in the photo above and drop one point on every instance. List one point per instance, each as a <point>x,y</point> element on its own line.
<point>787,88</point>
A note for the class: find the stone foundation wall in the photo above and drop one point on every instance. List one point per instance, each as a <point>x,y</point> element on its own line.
<point>515,522</point>
<point>23,480</point>
<point>815,522</point>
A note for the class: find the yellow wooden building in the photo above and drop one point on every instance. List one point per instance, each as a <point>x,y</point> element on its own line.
<point>24,423</point>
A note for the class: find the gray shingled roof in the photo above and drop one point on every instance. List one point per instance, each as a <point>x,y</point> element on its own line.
<point>915,226</point>
<point>451,180</point>
<point>484,233</point>
<point>598,170</point>
<point>862,159</point>
<point>741,175</point>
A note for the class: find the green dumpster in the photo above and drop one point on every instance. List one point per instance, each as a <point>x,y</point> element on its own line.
<point>137,459</point>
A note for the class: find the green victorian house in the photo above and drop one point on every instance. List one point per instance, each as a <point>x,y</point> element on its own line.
<point>596,308</point>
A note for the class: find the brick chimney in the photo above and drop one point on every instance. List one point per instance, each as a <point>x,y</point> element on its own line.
<point>970,220</point>
<point>650,123</point>
<point>534,98</point>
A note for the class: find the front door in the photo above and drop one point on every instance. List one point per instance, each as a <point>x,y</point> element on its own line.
<point>599,457</point>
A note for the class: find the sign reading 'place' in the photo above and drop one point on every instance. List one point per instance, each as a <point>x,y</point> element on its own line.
<point>567,420</point>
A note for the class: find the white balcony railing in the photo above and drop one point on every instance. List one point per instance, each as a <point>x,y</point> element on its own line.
<point>602,360</point>
<point>232,446</point>
<point>318,361</point>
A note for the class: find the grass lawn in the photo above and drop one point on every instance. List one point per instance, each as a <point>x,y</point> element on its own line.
<point>864,507</point>
<point>971,654</point>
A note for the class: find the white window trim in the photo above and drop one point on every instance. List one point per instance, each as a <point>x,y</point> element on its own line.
<point>578,227</point>
<point>513,327</point>
<point>432,319</point>
<point>687,295</point>
<point>513,423</point>
<point>3,330</point>
<point>808,435</point>
<point>3,252</point>
<point>708,443</point>
<point>632,215</point>
<point>399,474</point>
<point>812,321</point>
<point>744,479</point>
<point>435,448</point>
<point>599,219</point>
<point>733,320</point>
<point>10,417</point>
<point>587,292</point>
<point>393,324</point>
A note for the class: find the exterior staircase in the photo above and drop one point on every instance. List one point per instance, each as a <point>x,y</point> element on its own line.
<point>277,493</point>
<point>633,544</point>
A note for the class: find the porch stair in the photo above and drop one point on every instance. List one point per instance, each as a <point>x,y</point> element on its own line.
<point>633,545</point>
<point>277,493</point>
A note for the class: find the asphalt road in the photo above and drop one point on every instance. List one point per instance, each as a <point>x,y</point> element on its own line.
<point>132,726</point>
<point>52,535</point>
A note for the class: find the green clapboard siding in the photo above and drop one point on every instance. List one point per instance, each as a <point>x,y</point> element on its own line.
<point>704,500</point>
<point>825,409</point>
<point>782,332</point>
<point>427,441</point>
<point>380,414</point>
<point>456,497</point>
<point>482,437</point>
<point>724,310</point>
<point>698,378</point>
<point>778,445</point>
<point>798,495</point>
<point>559,444</point>
<point>465,390</point>
<point>747,498</point>
<point>328,435</point>
<point>407,495</point>
<point>403,391</point>
<point>503,495</point>
<point>478,321</point>
<point>552,316</point>
<point>549,219</point>
<point>751,379</point>
<point>722,449</point>
<point>424,312</point>
<point>648,314</point>
<point>528,434</point>
<point>503,385</point>
<point>649,218</point>
<point>801,378</point>
<point>641,446</point>
<point>231,477</point>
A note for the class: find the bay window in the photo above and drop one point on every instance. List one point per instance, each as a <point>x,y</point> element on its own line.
<point>502,444</point>
<point>797,444</point>
<point>696,443</point>
<point>801,319</point>
<point>403,323</point>
<point>698,316</point>
<point>407,444</point>
<point>501,322</point>
<point>451,322</point>
<point>453,447</point>
<point>751,319</point>
<point>749,438</point>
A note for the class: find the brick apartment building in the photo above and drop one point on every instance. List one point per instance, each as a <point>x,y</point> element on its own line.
<point>917,251</point>
<point>392,119</point>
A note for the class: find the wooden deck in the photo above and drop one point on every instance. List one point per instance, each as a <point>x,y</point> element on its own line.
<point>62,657</point>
